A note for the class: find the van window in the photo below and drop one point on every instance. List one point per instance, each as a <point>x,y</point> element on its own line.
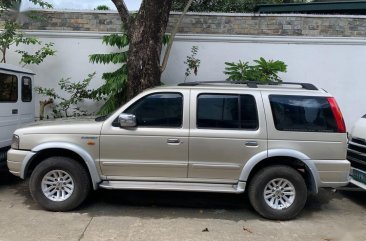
<point>302,113</point>
<point>8,88</point>
<point>26,89</point>
<point>227,111</point>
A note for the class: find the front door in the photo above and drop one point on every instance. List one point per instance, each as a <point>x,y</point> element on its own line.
<point>157,147</point>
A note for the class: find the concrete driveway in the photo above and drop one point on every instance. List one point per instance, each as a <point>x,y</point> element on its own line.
<point>142,215</point>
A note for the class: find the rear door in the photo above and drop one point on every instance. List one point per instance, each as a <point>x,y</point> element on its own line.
<point>227,129</point>
<point>9,106</point>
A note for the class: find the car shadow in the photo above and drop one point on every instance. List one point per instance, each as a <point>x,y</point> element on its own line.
<point>7,179</point>
<point>355,194</point>
<point>169,204</point>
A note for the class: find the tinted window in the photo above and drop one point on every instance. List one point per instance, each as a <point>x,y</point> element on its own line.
<point>226,112</point>
<point>302,113</point>
<point>8,88</point>
<point>159,110</point>
<point>248,112</point>
<point>26,89</point>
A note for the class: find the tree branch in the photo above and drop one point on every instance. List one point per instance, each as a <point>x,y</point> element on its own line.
<point>172,36</point>
<point>123,12</point>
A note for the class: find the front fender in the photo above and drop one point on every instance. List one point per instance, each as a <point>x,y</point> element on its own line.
<point>89,161</point>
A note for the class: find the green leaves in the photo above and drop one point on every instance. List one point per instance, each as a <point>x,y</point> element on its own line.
<point>192,62</point>
<point>118,40</point>
<point>236,71</point>
<point>264,71</point>
<point>113,89</point>
<point>11,34</point>
<point>42,4</point>
<point>39,56</point>
<point>102,8</point>
<point>115,58</point>
<point>226,6</point>
<point>75,91</point>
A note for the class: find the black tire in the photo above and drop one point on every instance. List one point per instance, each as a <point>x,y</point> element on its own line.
<point>259,182</point>
<point>80,178</point>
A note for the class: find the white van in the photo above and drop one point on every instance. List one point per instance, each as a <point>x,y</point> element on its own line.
<point>17,106</point>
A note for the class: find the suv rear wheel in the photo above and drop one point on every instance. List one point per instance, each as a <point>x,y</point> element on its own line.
<point>278,192</point>
<point>59,184</point>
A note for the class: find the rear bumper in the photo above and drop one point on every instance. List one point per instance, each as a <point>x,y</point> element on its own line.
<point>332,173</point>
<point>16,161</point>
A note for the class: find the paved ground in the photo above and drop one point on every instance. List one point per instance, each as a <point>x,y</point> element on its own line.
<point>137,215</point>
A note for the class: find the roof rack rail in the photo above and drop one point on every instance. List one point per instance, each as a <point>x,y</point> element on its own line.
<point>250,84</point>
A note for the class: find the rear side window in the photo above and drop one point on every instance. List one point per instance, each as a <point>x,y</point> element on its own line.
<point>26,89</point>
<point>227,111</point>
<point>158,110</point>
<point>302,113</point>
<point>8,88</point>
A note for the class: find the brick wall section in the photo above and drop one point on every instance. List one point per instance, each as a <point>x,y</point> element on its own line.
<point>226,24</point>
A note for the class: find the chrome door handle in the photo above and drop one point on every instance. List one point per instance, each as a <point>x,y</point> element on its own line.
<point>251,143</point>
<point>173,141</point>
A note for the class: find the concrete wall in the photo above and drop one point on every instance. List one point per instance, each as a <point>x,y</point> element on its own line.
<point>333,63</point>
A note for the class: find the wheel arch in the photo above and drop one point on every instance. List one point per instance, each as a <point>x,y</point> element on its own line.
<point>287,157</point>
<point>76,152</point>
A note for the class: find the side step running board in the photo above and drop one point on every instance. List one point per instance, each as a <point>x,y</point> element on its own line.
<point>174,186</point>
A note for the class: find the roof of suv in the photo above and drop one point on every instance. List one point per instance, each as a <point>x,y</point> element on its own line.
<point>231,85</point>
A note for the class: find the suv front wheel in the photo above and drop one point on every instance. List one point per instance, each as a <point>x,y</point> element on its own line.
<point>278,192</point>
<point>59,184</point>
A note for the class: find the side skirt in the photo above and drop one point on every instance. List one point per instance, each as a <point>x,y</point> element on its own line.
<point>174,186</point>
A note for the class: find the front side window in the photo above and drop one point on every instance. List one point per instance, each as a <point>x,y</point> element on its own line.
<point>226,111</point>
<point>302,113</point>
<point>26,89</point>
<point>8,88</point>
<point>158,110</point>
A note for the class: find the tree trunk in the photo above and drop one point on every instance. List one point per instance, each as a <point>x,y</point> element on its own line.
<point>146,31</point>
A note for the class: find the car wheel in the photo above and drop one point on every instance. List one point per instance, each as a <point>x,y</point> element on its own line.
<point>278,192</point>
<point>59,184</point>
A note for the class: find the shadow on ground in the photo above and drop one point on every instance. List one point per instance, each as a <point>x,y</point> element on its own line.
<point>7,179</point>
<point>355,194</point>
<point>158,204</point>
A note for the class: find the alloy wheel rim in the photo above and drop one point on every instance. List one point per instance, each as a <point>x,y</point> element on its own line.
<point>279,193</point>
<point>57,185</point>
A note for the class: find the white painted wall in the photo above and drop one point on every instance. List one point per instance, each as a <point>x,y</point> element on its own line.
<point>335,64</point>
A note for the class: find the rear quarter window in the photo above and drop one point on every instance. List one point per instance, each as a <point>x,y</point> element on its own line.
<point>302,113</point>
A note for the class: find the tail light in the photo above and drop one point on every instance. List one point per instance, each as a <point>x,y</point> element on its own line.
<point>337,115</point>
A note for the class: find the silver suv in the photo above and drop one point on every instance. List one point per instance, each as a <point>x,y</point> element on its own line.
<point>280,142</point>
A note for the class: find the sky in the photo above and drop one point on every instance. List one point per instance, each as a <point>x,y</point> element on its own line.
<point>85,4</point>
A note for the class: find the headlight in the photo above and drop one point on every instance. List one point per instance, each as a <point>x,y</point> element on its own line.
<point>15,142</point>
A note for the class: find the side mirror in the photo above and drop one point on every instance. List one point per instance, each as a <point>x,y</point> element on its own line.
<point>127,120</point>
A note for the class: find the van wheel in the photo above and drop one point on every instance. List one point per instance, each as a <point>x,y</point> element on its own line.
<point>59,184</point>
<point>278,192</point>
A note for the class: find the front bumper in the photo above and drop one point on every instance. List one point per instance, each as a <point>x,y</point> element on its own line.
<point>17,161</point>
<point>333,173</point>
